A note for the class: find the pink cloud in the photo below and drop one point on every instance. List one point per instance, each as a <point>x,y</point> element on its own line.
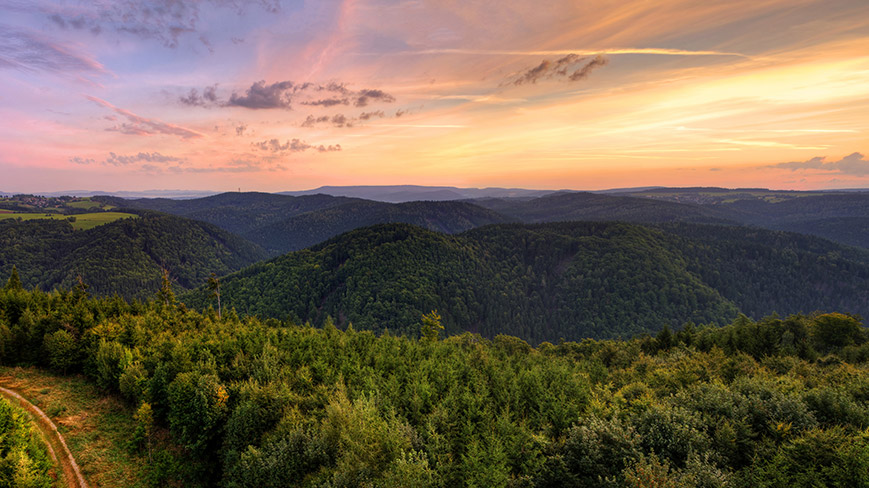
<point>142,126</point>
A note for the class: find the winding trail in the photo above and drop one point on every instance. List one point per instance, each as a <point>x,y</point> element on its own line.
<point>56,444</point>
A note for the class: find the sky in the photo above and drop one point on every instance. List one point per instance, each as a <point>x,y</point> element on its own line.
<point>273,95</point>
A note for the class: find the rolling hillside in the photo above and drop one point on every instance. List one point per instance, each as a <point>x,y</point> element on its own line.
<point>551,281</point>
<point>123,257</point>
<point>283,223</point>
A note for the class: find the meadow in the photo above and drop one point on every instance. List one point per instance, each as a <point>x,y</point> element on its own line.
<point>82,221</point>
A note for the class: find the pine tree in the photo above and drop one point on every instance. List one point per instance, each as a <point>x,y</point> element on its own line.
<point>214,286</point>
<point>14,282</point>
<point>166,296</point>
<point>431,325</point>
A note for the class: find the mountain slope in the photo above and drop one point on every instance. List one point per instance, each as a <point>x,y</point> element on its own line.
<point>282,223</point>
<point>239,213</point>
<point>307,229</point>
<point>547,281</point>
<point>590,206</point>
<point>125,256</point>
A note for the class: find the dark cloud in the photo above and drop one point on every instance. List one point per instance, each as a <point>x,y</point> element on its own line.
<point>334,87</point>
<point>341,120</point>
<point>141,126</point>
<point>28,51</point>
<point>853,164</point>
<point>560,69</point>
<point>283,94</point>
<point>165,21</point>
<point>294,145</point>
<point>311,121</point>
<point>262,96</point>
<point>80,160</point>
<point>399,113</point>
<point>370,115</point>
<point>153,157</point>
<point>586,70</point>
<point>363,97</point>
<point>208,97</point>
<point>327,102</point>
<point>239,131</point>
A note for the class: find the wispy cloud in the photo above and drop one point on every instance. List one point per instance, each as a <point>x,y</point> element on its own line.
<point>854,164</point>
<point>166,21</point>
<point>363,97</point>
<point>566,52</point>
<point>28,51</point>
<point>294,145</point>
<point>283,94</point>
<point>121,160</point>
<point>142,126</point>
<point>571,67</point>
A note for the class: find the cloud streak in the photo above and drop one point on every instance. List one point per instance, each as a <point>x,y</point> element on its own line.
<point>293,146</point>
<point>568,68</point>
<point>121,160</point>
<point>284,94</point>
<point>563,52</point>
<point>166,21</point>
<point>27,51</point>
<point>854,164</point>
<point>141,126</point>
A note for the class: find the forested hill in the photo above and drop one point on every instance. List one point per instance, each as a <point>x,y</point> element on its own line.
<point>282,223</point>
<point>839,217</point>
<point>123,257</point>
<point>307,229</point>
<point>240,213</point>
<point>590,206</point>
<point>549,281</point>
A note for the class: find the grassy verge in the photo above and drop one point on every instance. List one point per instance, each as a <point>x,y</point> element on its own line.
<point>82,221</point>
<point>97,428</point>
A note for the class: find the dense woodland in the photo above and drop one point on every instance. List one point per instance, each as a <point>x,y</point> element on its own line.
<point>124,257</point>
<point>281,223</point>
<point>550,281</point>
<point>781,402</point>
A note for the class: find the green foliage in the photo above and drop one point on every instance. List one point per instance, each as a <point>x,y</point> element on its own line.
<point>61,349</point>
<point>14,282</point>
<point>431,326</point>
<point>197,407</point>
<point>24,458</point>
<point>124,257</point>
<point>257,403</point>
<point>552,281</point>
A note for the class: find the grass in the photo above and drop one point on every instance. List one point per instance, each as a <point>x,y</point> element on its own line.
<point>84,203</point>
<point>96,427</point>
<point>82,221</point>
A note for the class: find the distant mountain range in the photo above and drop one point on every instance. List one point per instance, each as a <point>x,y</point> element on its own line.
<point>409,193</point>
<point>283,223</point>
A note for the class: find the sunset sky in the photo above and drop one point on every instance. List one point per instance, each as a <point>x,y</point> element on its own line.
<point>288,95</point>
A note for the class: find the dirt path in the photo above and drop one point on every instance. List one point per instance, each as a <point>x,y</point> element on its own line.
<point>56,444</point>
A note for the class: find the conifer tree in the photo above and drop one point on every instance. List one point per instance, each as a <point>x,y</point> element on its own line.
<point>14,282</point>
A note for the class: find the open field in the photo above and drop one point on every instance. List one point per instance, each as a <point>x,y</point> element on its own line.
<point>87,203</point>
<point>82,221</point>
<point>97,428</point>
